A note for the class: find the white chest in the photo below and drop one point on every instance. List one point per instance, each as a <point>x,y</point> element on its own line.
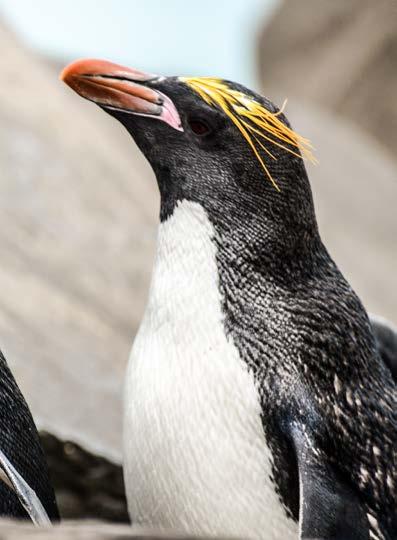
<point>195,455</point>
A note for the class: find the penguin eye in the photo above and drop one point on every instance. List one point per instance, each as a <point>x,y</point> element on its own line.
<point>199,127</point>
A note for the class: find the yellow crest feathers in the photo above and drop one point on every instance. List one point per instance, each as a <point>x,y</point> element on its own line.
<point>252,119</point>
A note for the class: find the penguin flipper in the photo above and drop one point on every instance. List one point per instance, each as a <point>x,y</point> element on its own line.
<point>328,508</point>
<point>26,495</point>
<point>386,338</point>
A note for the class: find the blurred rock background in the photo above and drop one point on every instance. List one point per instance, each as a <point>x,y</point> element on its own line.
<point>77,230</point>
<point>339,55</point>
<point>78,211</point>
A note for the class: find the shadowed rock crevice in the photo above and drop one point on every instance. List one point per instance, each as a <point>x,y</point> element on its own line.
<point>86,486</point>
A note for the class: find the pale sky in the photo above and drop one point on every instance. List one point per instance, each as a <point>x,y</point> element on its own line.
<point>206,37</point>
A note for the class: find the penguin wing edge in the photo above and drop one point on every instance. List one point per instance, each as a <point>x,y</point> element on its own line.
<point>26,495</point>
<point>328,507</point>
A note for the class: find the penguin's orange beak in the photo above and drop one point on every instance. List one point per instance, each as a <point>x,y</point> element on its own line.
<point>117,87</point>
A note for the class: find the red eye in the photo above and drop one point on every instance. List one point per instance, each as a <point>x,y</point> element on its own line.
<point>198,127</point>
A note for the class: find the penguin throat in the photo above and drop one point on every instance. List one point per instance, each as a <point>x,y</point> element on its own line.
<point>192,344</point>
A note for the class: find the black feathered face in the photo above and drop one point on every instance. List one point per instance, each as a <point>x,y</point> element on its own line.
<point>207,161</point>
<point>208,141</point>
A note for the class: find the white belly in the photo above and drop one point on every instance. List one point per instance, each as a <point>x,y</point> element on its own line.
<point>195,455</point>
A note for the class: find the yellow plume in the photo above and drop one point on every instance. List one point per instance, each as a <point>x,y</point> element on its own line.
<point>252,119</point>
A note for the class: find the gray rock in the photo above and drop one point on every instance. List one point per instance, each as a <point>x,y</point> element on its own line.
<point>339,55</point>
<point>87,531</point>
<point>77,230</point>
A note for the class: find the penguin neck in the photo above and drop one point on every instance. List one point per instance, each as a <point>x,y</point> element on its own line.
<point>209,286</point>
<point>192,249</point>
<point>272,249</point>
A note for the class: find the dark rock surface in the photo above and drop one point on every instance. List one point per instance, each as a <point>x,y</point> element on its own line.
<point>86,486</point>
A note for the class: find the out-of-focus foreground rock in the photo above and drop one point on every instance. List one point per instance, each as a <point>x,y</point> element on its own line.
<point>89,531</point>
<point>335,61</point>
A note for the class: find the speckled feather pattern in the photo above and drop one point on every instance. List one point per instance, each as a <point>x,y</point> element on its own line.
<point>303,326</point>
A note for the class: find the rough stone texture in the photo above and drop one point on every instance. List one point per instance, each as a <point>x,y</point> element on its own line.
<point>87,531</point>
<point>78,210</point>
<point>86,486</point>
<point>340,54</point>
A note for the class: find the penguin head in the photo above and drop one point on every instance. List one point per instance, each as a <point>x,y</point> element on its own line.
<point>209,141</point>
